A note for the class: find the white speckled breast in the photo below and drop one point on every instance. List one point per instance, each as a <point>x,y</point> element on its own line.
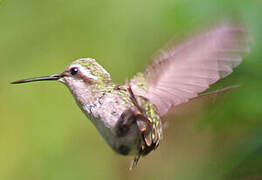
<point>105,112</point>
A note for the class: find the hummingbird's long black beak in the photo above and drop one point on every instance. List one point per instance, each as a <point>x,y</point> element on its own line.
<point>45,78</point>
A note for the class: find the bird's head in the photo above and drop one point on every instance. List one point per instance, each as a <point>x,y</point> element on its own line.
<point>82,72</point>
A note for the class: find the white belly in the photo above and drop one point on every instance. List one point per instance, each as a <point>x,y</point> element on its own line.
<point>105,113</point>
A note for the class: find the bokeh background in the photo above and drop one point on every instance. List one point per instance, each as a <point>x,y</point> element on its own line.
<point>45,136</point>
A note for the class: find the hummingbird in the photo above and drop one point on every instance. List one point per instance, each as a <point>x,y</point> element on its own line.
<point>128,116</point>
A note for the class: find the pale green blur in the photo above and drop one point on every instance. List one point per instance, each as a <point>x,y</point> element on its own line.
<point>43,134</point>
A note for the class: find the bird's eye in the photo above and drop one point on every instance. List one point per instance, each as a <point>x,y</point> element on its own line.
<point>74,71</point>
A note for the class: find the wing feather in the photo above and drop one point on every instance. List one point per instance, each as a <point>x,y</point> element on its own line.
<point>182,72</point>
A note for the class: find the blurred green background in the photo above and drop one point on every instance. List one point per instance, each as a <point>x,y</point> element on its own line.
<point>43,134</point>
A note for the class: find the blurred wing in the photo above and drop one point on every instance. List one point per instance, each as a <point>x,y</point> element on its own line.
<point>180,73</point>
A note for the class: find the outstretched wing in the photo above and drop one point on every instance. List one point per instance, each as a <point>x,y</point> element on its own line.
<point>180,73</point>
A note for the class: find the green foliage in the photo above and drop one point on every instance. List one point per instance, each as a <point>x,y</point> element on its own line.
<point>43,134</point>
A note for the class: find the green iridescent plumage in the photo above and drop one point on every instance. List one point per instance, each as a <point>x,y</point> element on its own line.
<point>95,69</point>
<point>155,121</point>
